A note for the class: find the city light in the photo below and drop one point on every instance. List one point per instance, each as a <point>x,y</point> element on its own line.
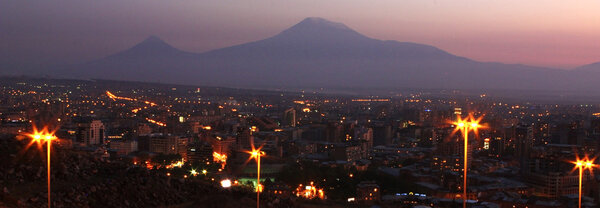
<point>220,158</point>
<point>39,137</point>
<point>309,191</point>
<point>322,157</point>
<point>114,97</point>
<point>582,165</point>
<point>226,183</point>
<point>194,172</point>
<point>156,122</point>
<point>177,164</point>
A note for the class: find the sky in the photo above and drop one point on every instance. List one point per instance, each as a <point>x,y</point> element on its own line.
<point>550,33</point>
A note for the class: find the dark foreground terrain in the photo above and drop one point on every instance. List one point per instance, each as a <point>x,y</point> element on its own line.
<point>80,179</point>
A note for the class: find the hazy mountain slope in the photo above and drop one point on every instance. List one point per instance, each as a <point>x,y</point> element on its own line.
<point>150,60</point>
<point>318,53</point>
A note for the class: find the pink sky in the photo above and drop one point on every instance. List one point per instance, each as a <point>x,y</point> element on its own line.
<point>554,33</point>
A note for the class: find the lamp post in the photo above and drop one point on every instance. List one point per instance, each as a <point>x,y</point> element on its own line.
<point>582,165</point>
<point>256,154</point>
<point>44,136</point>
<point>466,125</point>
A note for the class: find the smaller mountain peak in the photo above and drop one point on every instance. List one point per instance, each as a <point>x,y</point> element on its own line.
<point>153,43</point>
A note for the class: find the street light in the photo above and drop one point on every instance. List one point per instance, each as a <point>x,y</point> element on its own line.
<point>256,154</point>
<point>582,165</point>
<point>193,172</point>
<point>226,183</point>
<point>43,136</point>
<point>465,125</point>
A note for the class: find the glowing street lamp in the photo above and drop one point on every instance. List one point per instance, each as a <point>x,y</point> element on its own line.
<point>39,137</point>
<point>193,172</point>
<point>256,154</point>
<point>226,183</point>
<point>582,165</point>
<point>466,125</point>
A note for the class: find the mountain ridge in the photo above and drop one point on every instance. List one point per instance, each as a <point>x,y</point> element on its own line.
<point>317,52</point>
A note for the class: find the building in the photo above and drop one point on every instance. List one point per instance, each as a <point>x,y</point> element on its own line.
<point>143,129</point>
<point>524,143</point>
<point>334,132</point>
<point>244,138</point>
<point>169,145</point>
<point>124,147</point>
<point>551,176</point>
<point>222,144</point>
<point>554,184</point>
<point>289,117</point>
<point>200,152</point>
<point>368,191</point>
<point>16,127</point>
<point>90,133</point>
<point>382,134</point>
<point>349,153</point>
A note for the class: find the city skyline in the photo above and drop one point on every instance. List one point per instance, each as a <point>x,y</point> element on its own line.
<point>188,146</point>
<point>300,103</point>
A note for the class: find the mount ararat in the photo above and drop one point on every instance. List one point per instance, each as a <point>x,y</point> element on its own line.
<point>319,53</point>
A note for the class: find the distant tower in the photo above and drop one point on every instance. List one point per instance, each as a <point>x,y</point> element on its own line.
<point>289,117</point>
<point>244,138</point>
<point>91,133</point>
<point>382,134</point>
<point>524,144</point>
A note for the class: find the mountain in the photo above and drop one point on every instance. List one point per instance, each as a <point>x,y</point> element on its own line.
<point>584,77</point>
<point>150,60</point>
<point>593,67</point>
<point>318,53</point>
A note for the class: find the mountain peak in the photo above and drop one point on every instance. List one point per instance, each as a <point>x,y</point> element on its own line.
<point>322,23</point>
<point>150,46</point>
<point>153,43</point>
<point>316,28</point>
<point>153,40</point>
